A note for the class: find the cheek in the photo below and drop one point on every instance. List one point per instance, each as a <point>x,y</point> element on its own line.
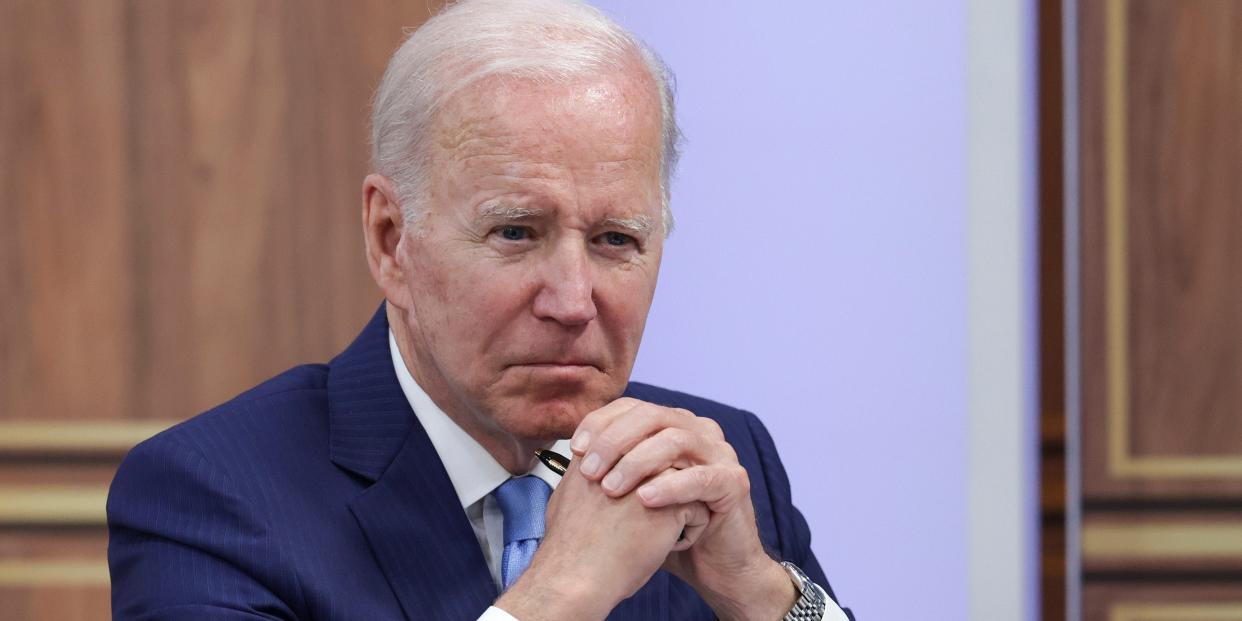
<point>468,300</point>
<point>624,300</point>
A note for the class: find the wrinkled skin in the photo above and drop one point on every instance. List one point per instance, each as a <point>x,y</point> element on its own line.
<point>518,301</point>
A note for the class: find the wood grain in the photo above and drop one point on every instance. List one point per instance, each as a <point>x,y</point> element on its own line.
<point>1185,194</point>
<point>65,346</point>
<point>1161,308</point>
<point>181,186</point>
<point>1051,310</point>
<point>1127,601</point>
<point>184,182</point>
<point>1183,136</point>
<point>1168,542</point>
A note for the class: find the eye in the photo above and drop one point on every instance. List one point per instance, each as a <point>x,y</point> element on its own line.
<point>513,233</point>
<point>613,238</point>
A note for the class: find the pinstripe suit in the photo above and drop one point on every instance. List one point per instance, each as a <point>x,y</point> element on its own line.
<point>317,495</point>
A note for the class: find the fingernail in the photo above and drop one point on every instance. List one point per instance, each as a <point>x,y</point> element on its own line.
<point>647,493</point>
<point>612,482</point>
<point>590,465</point>
<point>580,441</point>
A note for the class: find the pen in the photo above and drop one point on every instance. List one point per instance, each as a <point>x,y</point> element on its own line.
<point>554,461</point>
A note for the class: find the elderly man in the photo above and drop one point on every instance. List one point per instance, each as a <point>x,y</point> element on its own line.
<point>514,224</point>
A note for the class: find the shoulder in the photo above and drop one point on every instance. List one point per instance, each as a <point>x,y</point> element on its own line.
<point>283,419</point>
<point>265,408</point>
<point>192,508</point>
<point>231,457</point>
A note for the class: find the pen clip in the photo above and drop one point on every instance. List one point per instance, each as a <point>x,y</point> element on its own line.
<point>554,461</point>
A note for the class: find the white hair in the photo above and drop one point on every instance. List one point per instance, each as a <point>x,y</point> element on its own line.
<point>544,40</point>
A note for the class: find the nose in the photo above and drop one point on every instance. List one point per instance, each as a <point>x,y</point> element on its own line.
<point>566,288</point>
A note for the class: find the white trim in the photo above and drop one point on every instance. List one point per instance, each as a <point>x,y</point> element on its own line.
<point>1002,413</point>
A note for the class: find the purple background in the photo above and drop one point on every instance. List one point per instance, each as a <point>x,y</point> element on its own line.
<point>818,272</point>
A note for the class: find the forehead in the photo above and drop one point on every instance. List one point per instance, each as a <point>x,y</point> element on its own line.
<point>598,119</point>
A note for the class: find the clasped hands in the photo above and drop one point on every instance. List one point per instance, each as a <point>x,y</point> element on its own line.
<point>649,487</point>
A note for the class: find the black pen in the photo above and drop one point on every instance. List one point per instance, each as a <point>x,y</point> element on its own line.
<point>554,461</point>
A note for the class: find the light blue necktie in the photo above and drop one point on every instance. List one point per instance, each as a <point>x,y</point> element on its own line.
<point>523,502</point>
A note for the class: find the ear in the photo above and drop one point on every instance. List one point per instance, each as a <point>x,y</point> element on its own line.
<point>382,227</point>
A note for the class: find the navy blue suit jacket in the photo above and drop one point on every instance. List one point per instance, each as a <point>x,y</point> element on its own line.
<point>317,495</point>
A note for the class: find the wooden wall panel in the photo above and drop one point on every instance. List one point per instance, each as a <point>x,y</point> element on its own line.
<point>67,290</point>
<point>1184,198</point>
<point>184,180</point>
<point>1162,248</point>
<point>1124,600</point>
<point>181,187</point>
<point>1161,308</point>
<point>1051,310</point>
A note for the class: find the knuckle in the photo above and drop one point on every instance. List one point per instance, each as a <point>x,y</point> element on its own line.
<point>605,444</point>
<point>740,477</point>
<point>703,477</point>
<point>629,401</point>
<point>679,439</point>
<point>649,413</point>
<point>711,428</point>
<point>592,419</point>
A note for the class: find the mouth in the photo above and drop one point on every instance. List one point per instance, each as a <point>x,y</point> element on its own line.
<point>558,365</point>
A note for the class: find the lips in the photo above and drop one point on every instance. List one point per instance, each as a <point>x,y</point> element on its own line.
<point>556,364</point>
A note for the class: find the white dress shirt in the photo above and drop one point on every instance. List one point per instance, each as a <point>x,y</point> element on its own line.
<point>475,474</point>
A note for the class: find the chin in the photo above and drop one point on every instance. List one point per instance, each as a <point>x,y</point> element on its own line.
<point>545,420</point>
<point>545,405</point>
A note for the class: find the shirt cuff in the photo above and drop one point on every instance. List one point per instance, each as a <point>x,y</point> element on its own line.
<point>832,613</point>
<point>495,614</point>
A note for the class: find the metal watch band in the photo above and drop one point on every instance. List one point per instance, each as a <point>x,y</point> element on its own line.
<point>813,600</point>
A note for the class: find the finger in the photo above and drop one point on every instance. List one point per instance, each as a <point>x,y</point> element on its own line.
<point>695,517</point>
<point>558,491</point>
<point>671,447</point>
<point>720,487</point>
<point>624,432</point>
<point>597,420</point>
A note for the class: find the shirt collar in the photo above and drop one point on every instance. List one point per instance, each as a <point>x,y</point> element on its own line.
<point>472,470</point>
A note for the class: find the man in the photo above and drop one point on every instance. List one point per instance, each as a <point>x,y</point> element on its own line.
<point>514,224</point>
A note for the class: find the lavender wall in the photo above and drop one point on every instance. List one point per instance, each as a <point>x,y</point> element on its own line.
<point>818,273</point>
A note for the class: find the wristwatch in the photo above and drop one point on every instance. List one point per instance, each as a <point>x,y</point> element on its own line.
<point>813,600</point>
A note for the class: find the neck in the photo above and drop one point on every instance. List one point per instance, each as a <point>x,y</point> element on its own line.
<point>515,454</point>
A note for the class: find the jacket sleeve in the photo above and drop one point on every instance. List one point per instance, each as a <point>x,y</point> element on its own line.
<point>792,528</point>
<point>184,544</point>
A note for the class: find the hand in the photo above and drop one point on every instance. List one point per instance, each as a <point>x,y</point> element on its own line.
<point>630,446</point>
<point>597,550</point>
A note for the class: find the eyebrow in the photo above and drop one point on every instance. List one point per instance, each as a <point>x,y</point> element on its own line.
<point>638,224</point>
<point>505,211</point>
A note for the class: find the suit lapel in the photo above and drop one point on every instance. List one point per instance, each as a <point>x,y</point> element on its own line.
<point>422,538</point>
<point>411,515</point>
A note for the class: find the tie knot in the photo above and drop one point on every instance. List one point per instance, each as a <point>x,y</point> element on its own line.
<point>523,502</point>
